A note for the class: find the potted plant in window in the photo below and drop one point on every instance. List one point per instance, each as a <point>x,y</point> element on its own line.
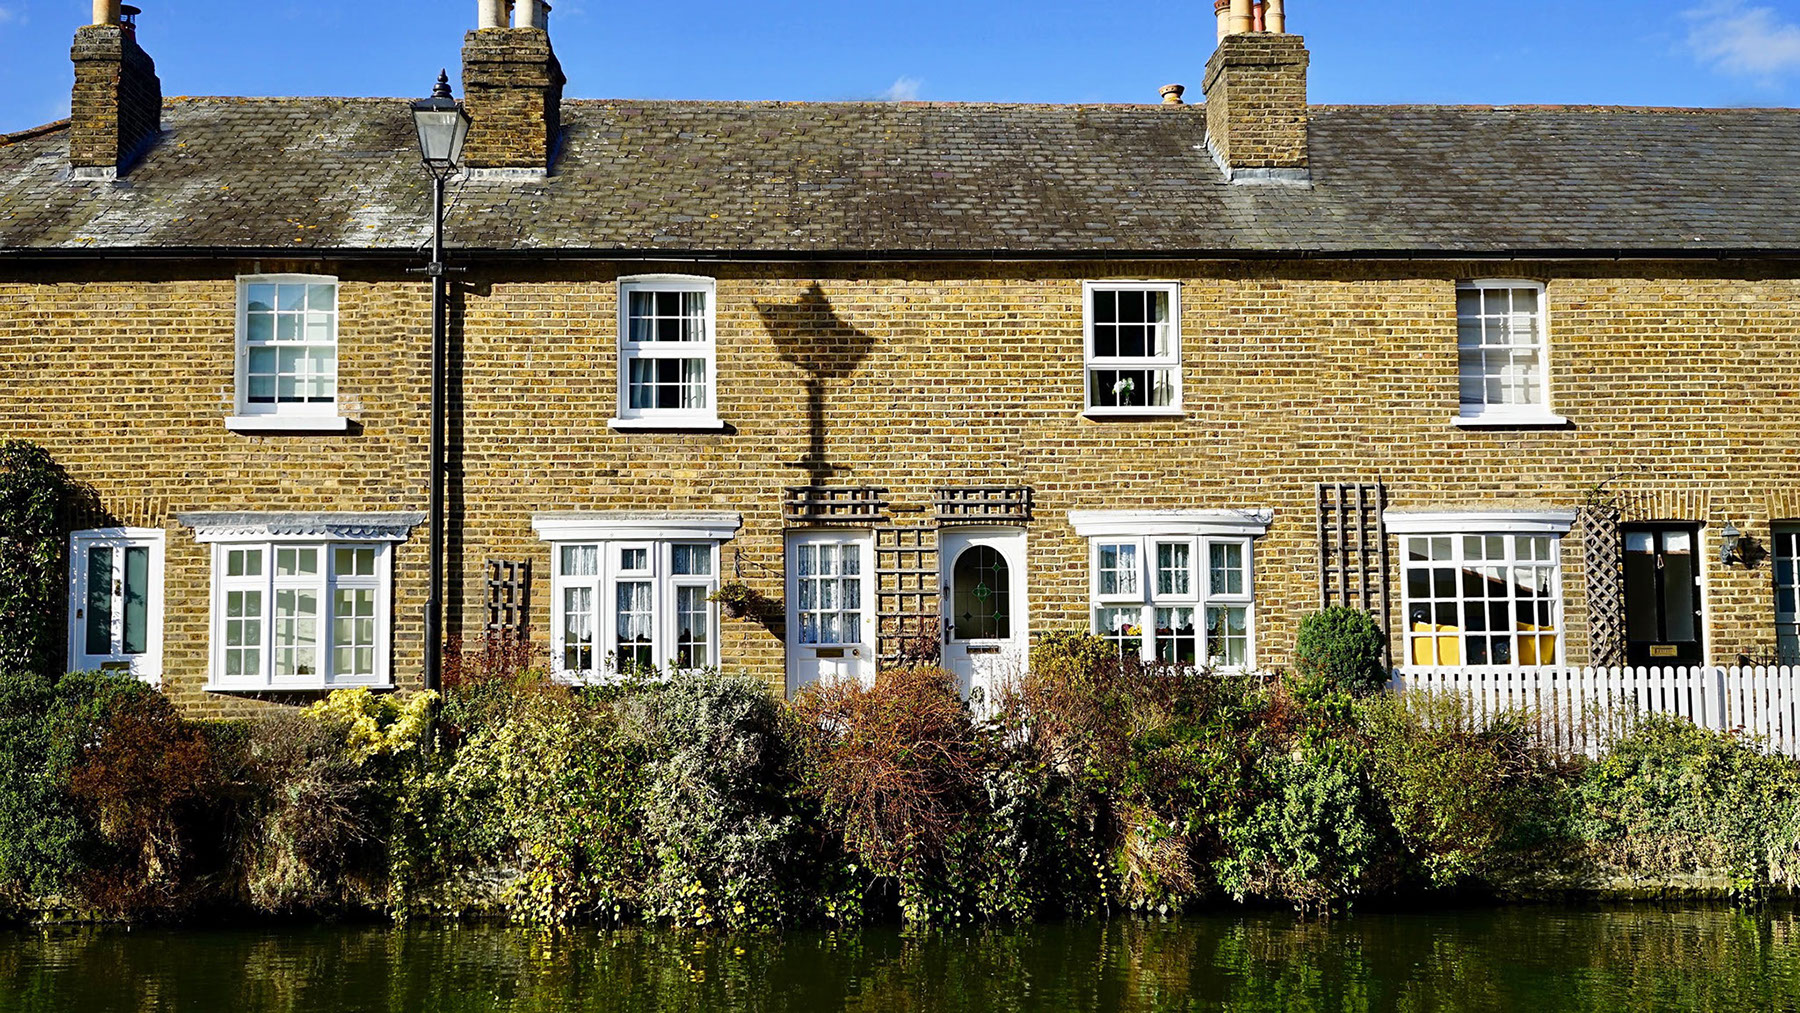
<point>735,599</point>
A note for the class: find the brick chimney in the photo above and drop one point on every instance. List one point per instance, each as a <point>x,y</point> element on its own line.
<point>1256,113</point>
<point>512,89</point>
<point>115,111</point>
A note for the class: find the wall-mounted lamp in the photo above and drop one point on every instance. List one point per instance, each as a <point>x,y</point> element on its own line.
<point>1736,547</point>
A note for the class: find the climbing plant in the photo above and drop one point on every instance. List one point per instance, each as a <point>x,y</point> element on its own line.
<point>34,495</point>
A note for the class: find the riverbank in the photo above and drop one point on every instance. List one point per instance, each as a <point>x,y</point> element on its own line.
<point>1544,959</point>
<point>698,800</point>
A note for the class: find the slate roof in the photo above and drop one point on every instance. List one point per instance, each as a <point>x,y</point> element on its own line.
<point>645,178</point>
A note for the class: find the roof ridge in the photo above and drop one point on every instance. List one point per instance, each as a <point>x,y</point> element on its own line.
<point>30,132</point>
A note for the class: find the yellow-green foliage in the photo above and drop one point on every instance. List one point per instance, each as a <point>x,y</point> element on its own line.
<point>386,725</point>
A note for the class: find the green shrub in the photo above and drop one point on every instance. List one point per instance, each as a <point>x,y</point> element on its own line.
<point>715,805</point>
<point>1671,799</point>
<point>1309,834</point>
<point>1468,801</point>
<point>554,792</point>
<point>1342,648</point>
<point>35,497</point>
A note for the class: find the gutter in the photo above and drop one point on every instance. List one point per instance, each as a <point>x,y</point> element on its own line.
<point>503,256</point>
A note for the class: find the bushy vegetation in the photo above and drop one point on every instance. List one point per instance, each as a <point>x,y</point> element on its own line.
<point>1095,784</point>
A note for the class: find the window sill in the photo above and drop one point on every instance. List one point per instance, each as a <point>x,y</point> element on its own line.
<point>299,687</point>
<point>1127,414</point>
<point>706,425</point>
<point>287,424</point>
<point>1544,421</point>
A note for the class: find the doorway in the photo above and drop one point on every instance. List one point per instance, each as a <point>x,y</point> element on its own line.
<point>986,640</point>
<point>1663,624</point>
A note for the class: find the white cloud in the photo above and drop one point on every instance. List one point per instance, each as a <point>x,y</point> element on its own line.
<point>11,15</point>
<point>904,89</point>
<point>1736,38</point>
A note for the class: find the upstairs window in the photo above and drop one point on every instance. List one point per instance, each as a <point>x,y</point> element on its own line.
<point>1133,348</point>
<point>287,359</point>
<point>1501,338</point>
<point>666,353</point>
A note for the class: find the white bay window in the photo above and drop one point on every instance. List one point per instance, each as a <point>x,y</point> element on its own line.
<point>1175,586</point>
<point>301,601</point>
<point>1482,590</point>
<point>632,592</point>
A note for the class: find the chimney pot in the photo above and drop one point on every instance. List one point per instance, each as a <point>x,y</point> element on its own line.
<point>490,14</point>
<point>106,12</point>
<point>1171,94</point>
<point>535,15</point>
<point>1276,16</point>
<point>1242,16</point>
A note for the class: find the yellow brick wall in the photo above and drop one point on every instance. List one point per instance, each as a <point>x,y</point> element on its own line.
<point>937,375</point>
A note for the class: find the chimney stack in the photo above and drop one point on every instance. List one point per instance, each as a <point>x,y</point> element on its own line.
<point>1256,111</point>
<point>512,89</point>
<point>115,111</point>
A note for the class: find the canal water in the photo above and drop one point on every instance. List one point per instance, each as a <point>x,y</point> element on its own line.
<point>1532,959</point>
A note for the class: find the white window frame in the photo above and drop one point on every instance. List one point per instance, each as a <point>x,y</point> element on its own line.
<point>1091,362</point>
<point>856,656</point>
<point>608,535</point>
<point>1476,416</point>
<point>248,417</point>
<point>146,666</point>
<point>1786,576</point>
<point>1199,530</point>
<point>1554,524</point>
<point>326,581</point>
<point>627,417</point>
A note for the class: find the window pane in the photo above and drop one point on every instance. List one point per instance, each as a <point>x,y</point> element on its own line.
<point>296,632</point>
<point>580,560</point>
<point>1227,569</point>
<point>693,619</point>
<point>353,633</point>
<point>137,599</point>
<point>981,595</point>
<point>1177,641</point>
<point>1174,568</point>
<point>693,560</point>
<point>1118,569</point>
<point>634,560</point>
<point>243,633</point>
<point>99,601</point>
<point>634,626</point>
<point>578,629</point>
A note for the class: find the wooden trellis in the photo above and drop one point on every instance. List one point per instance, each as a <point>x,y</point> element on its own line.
<point>906,593</point>
<point>1353,554</point>
<point>834,505</point>
<point>509,595</point>
<point>1604,542</point>
<point>988,504</point>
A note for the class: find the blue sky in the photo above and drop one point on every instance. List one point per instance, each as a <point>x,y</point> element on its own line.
<point>1636,52</point>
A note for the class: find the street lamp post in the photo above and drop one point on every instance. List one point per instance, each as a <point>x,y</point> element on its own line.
<point>443,127</point>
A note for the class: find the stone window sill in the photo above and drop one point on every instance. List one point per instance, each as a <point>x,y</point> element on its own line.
<point>706,425</point>
<point>287,424</point>
<point>1544,421</point>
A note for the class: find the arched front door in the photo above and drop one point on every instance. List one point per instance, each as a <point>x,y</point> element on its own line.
<point>984,607</point>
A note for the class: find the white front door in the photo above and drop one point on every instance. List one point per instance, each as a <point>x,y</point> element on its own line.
<point>831,607</point>
<point>986,641</point>
<point>115,602</point>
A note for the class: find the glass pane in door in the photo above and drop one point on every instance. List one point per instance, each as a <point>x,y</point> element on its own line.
<point>981,592</point>
<point>99,601</point>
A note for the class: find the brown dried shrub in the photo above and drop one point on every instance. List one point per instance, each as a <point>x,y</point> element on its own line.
<point>895,766</point>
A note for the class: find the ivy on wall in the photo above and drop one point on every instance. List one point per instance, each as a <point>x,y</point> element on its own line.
<point>35,500</point>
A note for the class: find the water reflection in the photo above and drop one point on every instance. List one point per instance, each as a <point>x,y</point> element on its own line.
<point>1529,959</point>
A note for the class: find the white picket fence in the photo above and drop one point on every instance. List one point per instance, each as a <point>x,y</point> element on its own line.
<point>1579,709</point>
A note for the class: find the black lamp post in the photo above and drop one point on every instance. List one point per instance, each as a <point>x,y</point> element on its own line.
<point>443,127</point>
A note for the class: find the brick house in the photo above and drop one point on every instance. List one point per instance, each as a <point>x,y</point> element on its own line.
<point>1177,373</point>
